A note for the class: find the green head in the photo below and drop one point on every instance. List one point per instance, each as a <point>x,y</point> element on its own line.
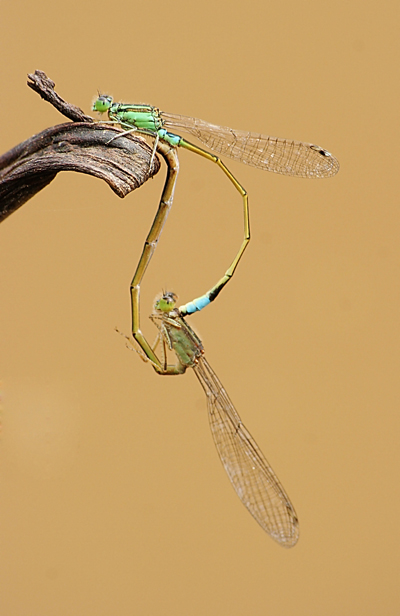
<point>167,302</point>
<point>102,103</point>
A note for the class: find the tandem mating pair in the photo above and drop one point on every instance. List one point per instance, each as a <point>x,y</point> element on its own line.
<point>248,470</point>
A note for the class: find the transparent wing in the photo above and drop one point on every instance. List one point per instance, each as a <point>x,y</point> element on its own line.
<point>249,472</point>
<point>269,153</point>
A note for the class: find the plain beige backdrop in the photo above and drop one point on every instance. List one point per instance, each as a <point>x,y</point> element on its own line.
<point>113,501</point>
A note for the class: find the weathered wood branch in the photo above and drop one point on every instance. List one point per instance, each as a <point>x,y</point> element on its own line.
<point>80,145</point>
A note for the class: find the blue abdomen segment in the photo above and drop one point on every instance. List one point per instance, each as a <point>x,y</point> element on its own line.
<point>194,306</point>
<point>169,137</point>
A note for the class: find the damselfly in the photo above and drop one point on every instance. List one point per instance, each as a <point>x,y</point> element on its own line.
<point>249,472</point>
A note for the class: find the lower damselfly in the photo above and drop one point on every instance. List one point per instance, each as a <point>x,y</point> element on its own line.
<point>250,474</point>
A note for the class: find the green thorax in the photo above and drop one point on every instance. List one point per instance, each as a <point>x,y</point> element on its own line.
<point>186,344</point>
<point>144,117</point>
<point>183,340</point>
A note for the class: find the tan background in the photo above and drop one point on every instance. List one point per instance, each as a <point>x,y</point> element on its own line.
<point>113,500</point>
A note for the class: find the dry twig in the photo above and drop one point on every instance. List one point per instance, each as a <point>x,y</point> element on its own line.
<point>79,145</point>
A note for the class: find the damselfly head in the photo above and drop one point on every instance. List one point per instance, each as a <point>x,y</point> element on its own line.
<point>102,103</point>
<point>166,302</point>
